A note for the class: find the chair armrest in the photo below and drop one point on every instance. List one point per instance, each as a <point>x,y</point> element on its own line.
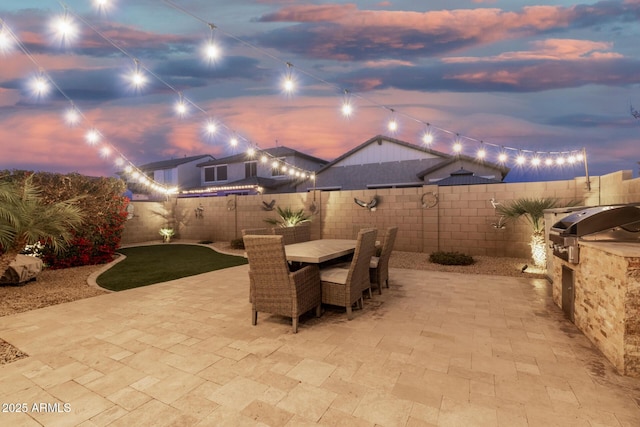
<point>307,278</point>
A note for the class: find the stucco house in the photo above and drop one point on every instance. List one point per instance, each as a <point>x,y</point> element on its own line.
<point>385,162</point>
<point>179,172</point>
<point>243,174</point>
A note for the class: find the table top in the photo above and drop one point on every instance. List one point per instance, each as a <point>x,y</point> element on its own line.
<point>317,251</point>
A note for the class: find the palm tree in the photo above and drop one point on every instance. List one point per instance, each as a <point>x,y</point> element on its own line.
<point>26,219</point>
<point>533,211</point>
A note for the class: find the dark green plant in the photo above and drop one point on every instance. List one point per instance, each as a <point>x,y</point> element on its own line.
<point>27,218</point>
<point>451,258</point>
<point>533,211</point>
<point>237,244</point>
<point>101,202</point>
<point>288,217</point>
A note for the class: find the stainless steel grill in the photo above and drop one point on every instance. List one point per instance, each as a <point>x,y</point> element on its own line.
<point>618,223</point>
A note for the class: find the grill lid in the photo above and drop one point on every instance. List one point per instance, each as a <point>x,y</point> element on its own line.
<point>601,218</point>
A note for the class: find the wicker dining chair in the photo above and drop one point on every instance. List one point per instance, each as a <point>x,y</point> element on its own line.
<point>288,234</point>
<point>274,288</point>
<point>379,266</point>
<point>257,231</point>
<point>302,232</point>
<point>344,286</point>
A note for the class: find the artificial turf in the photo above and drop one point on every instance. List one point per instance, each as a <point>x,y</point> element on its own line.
<point>146,265</point>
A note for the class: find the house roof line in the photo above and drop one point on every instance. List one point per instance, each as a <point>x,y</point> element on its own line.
<point>279,151</point>
<point>171,163</point>
<point>449,158</point>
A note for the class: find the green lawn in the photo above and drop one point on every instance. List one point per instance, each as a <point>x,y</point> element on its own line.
<point>146,265</point>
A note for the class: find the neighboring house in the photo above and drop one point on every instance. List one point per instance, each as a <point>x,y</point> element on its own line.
<point>464,177</point>
<point>384,162</point>
<point>241,174</point>
<point>180,172</point>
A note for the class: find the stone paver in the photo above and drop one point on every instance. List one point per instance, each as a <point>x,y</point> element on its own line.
<point>436,349</point>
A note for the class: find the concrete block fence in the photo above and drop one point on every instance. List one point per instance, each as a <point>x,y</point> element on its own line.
<point>461,219</point>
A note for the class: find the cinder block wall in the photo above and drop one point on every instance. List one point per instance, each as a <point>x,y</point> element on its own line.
<point>461,220</point>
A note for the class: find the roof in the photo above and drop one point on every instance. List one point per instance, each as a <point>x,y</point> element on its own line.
<point>172,163</point>
<point>280,151</point>
<point>447,158</point>
<point>452,159</point>
<point>464,177</point>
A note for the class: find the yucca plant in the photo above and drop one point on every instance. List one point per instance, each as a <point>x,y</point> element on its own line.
<point>533,211</point>
<point>288,217</point>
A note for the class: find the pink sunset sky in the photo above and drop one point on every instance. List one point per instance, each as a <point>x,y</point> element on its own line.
<point>534,77</point>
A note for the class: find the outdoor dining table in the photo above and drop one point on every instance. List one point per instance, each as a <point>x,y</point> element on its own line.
<point>318,251</point>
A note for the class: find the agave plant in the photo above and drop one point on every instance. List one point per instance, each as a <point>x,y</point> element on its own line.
<point>533,211</point>
<point>288,217</point>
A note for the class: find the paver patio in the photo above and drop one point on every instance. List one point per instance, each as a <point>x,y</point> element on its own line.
<point>440,349</point>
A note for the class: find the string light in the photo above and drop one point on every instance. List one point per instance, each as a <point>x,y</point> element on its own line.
<point>457,145</point>
<point>288,84</point>
<point>6,42</point>
<point>535,161</point>
<point>520,160</point>
<point>481,153</point>
<point>137,79</point>
<point>39,85</point>
<point>347,107</point>
<point>64,28</point>
<point>181,107</point>
<point>393,123</point>
<point>92,137</point>
<point>210,50</point>
<point>102,5</point>
<point>502,157</point>
<point>427,137</point>
<point>72,116</point>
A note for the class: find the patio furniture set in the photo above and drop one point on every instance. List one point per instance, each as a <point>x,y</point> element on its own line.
<point>290,275</point>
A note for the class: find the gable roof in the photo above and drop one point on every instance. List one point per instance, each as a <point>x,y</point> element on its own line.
<point>447,159</point>
<point>452,159</point>
<point>464,177</point>
<point>280,151</point>
<point>172,163</point>
<point>378,139</point>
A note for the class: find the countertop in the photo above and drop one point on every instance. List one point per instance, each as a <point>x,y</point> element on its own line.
<point>624,249</point>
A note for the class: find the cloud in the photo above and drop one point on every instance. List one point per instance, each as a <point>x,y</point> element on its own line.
<point>344,32</point>
<point>551,49</point>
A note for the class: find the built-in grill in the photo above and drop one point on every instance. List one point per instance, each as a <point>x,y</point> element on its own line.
<point>619,223</point>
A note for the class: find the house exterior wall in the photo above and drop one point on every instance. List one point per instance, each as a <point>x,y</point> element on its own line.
<point>460,221</point>
<point>356,177</point>
<point>236,170</point>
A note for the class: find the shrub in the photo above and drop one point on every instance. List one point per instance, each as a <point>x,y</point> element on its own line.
<point>237,244</point>
<point>104,209</point>
<point>451,258</point>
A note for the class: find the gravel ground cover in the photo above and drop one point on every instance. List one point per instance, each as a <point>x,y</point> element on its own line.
<point>59,286</point>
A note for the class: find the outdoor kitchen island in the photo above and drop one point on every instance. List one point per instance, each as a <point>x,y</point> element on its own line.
<point>601,295</point>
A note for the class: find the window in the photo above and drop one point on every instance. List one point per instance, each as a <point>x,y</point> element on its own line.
<point>221,173</point>
<point>215,173</point>
<point>209,174</point>
<point>250,169</point>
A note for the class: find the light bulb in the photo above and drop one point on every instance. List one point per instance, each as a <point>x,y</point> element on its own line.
<point>72,117</point>
<point>347,109</point>
<point>502,157</point>
<point>482,153</point>
<point>393,125</point>
<point>233,141</point>
<point>92,137</point>
<point>520,160</point>
<point>535,161</point>
<point>457,147</point>
<point>427,138</point>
